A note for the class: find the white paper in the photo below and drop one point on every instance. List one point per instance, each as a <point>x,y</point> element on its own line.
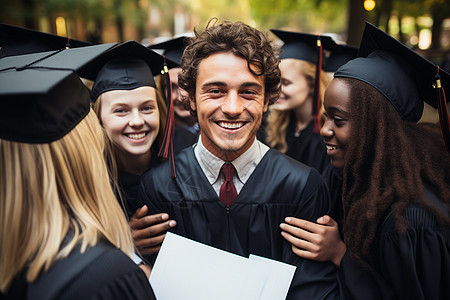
<point>279,278</point>
<point>185,269</point>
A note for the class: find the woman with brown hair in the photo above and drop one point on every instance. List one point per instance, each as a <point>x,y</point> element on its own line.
<point>395,177</point>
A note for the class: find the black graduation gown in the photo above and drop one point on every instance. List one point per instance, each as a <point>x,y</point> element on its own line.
<point>411,266</point>
<point>129,184</point>
<point>278,187</point>
<point>307,147</point>
<point>183,138</point>
<point>102,272</point>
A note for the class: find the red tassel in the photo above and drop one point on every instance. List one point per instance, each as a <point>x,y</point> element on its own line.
<point>317,99</point>
<point>443,111</point>
<point>166,150</point>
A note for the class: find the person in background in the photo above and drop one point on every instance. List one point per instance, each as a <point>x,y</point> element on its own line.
<point>186,126</point>
<point>231,191</point>
<point>395,175</point>
<point>290,125</point>
<point>133,113</point>
<point>62,232</point>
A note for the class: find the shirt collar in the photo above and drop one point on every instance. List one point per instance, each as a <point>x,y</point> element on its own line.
<point>244,164</point>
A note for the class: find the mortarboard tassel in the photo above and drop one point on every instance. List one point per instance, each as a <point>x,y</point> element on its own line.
<point>167,144</point>
<point>317,101</point>
<point>443,111</point>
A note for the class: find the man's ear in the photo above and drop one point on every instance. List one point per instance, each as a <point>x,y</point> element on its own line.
<point>192,103</point>
<point>266,105</point>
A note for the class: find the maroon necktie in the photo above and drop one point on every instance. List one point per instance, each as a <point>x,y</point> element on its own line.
<point>228,191</point>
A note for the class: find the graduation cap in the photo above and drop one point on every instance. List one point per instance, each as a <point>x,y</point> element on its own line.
<point>41,104</point>
<point>404,77</point>
<point>125,67</point>
<point>129,66</point>
<point>17,41</point>
<point>75,59</point>
<point>339,55</point>
<point>307,47</point>
<point>173,49</point>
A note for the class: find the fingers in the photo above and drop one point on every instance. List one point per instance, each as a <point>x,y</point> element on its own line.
<point>138,222</point>
<point>140,212</point>
<point>302,248</point>
<point>298,242</point>
<point>152,230</point>
<point>326,220</point>
<point>297,232</point>
<point>307,225</point>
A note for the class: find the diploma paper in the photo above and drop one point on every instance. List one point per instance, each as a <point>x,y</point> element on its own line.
<point>185,269</point>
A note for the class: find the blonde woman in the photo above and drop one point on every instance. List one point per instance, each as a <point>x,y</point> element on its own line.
<point>293,122</point>
<point>290,120</point>
<point>62,233</point>
<point>133,113</point>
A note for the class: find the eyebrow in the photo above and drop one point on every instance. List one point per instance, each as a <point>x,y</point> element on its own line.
<point>127,104</point>
<point>221,83</point>
<point>334,108</point>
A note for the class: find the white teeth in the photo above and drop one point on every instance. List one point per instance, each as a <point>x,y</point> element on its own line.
<point>331,147</point>
<point>136,136</point>
<point>231,125</point>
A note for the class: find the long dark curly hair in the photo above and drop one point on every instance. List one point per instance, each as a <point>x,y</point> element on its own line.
<point>240,39</point>
<point>386,167</point>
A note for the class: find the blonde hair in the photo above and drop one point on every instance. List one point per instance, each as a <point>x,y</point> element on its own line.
<point>47,189</point>
<point>278,121</point>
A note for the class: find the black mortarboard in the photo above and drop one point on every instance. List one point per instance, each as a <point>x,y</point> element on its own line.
<point>173,49</point>
<point>17,41</point>
<point>339,55</point>
<point>74,59</point>
<point>302,46</point>
<point>307,47</point>
<point>41,104</point>
<point>125,67</point>
<point>404,77</point>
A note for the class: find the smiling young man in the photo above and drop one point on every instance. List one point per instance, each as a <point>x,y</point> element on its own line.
<point>231,191</point>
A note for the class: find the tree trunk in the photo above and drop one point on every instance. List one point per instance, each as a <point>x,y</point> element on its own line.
<point>436,30</point>
<point>401,36</point>
<point>355,21</point>
<point>119,19</point>
<point>29,19</point>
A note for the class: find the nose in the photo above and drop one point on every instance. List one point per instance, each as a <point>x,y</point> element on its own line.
<point>233,105</point>
<point>327,131</point>
<point>136,119</point>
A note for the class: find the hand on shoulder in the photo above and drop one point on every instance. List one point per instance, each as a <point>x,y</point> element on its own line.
<point>317,241</point>
<point>148,231</point>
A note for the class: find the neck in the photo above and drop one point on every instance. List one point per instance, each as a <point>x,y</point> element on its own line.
<point>135,164</point>
<point>229,156</point>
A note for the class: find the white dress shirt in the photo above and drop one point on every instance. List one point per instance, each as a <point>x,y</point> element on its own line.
<point>244,164</point>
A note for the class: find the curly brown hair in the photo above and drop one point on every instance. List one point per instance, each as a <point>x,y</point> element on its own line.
<point>385,170</point>
<point>240,39</point>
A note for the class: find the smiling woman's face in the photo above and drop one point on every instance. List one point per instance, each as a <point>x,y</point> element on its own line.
<point>336,129</point>
<point>131,119</point>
